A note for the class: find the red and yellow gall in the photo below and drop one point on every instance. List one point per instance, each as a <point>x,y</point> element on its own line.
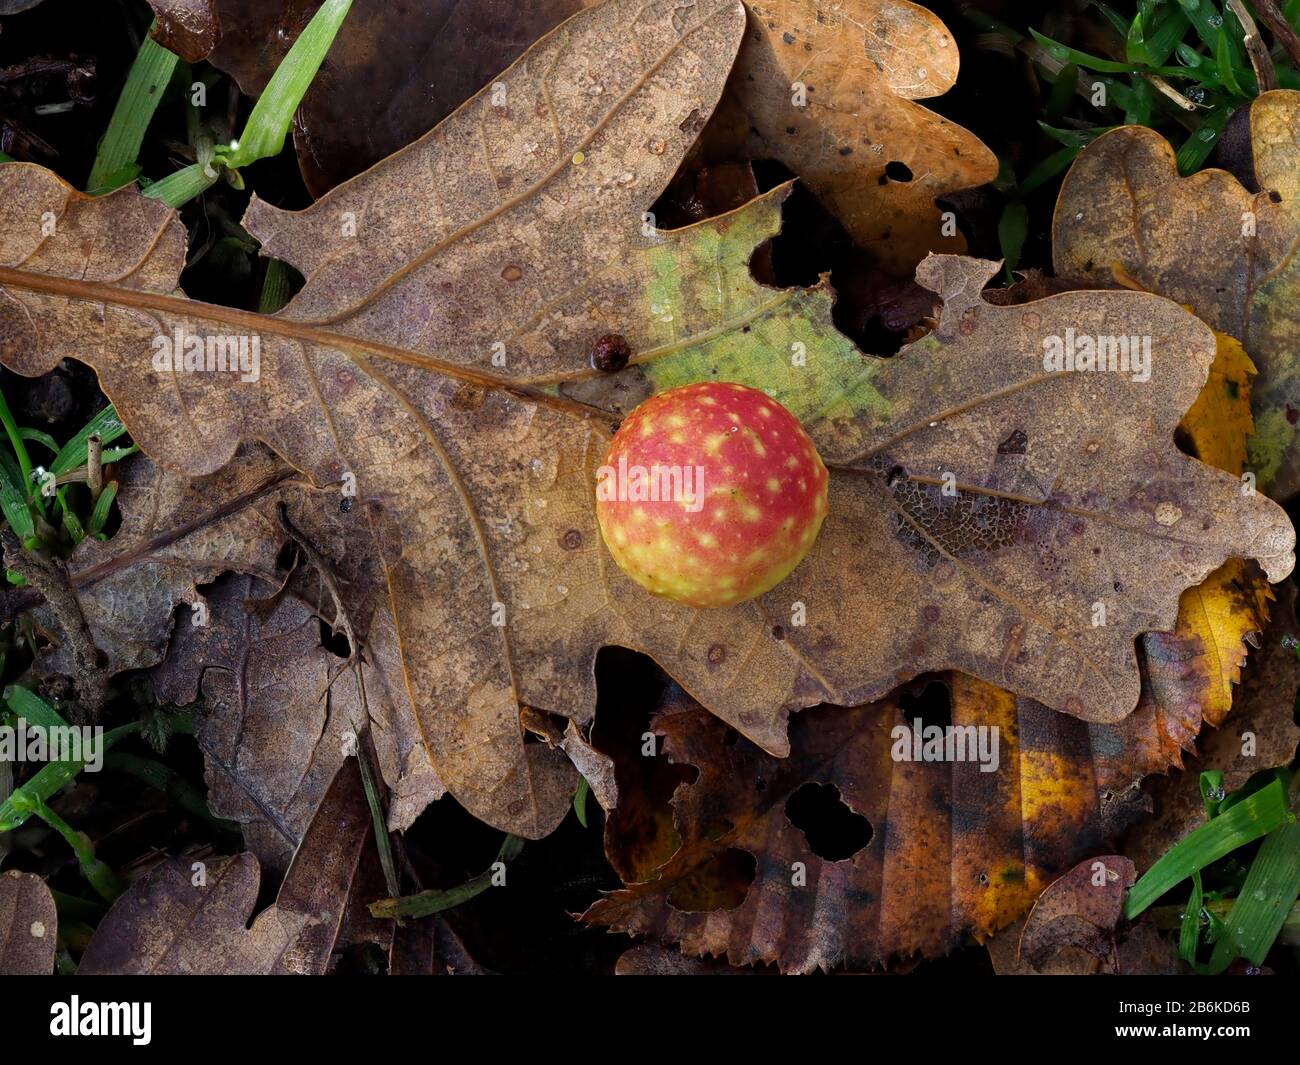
<point>711,494</point>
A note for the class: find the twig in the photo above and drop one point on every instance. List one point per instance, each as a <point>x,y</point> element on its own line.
<point>1173,94</point>
<point>94,465</point>
<point>1265,73</point>
<point>1283,32</point>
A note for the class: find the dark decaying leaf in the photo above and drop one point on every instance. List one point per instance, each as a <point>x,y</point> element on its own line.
<point>29,925</point>
<point>430,947</point>
<point>1081,909</point>
<point>176,534</point>
<point>395,71</point>
<point>190,28</point>
<point>282,713</point>
<point>1140,950</point>
<point>944,850</point>
<point>179,919</point>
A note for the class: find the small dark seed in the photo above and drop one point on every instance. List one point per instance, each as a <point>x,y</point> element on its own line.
<point>611,353</point>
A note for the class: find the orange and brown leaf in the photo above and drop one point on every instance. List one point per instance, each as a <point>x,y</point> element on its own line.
<point>713,862</point>
<point>873,156</point>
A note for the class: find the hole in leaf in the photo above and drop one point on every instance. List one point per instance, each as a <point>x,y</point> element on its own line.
<point>833,831</point>
<point>898,171</point>
<point>336,643</point>
<point>932,704</point>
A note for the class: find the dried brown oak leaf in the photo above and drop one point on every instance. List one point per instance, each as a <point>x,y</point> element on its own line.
<point>184,917</point>
<point>518,230</point>
<point>1080,910</point>
<point>1126,216</point>
<point>190,28</point>
<point>29,925</point>
<point>712,860</point>
<point>857,140</point>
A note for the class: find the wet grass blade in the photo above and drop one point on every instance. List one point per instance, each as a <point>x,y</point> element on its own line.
<point>1253,817</point>
<point>1266,898</point>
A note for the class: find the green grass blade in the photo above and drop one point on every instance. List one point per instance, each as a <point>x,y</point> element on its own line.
<point>44,439</point>
<point>1013,227</point>
<point>1266,898</point>
<point>120,148</point>
<point>1189,934</point>
<point>75,452</point>
<point>179,188</point>
<point>13,502</point>
<point>1048,169</point>
<point>17,443</point>
<point>580,801</point>
<point>103,508</point>
<point>25,703</point>
<point>430,902</point>
<point>276,287</point>
<point>1253,817</point>
<point>1198,145</point>
<point>16,809</point>
<point>272,115</point>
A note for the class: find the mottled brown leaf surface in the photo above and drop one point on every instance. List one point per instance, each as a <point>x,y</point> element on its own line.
<point>282,713</point>
<point>168,923</point>
<point>29,925</point>
<point>953,851</point>
<point>876,159</point>
<point>1123,207</point>
<point>475,485</point>
<point>1080,910</point>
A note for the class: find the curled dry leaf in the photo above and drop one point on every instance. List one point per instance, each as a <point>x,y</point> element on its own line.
<point>176,534</point>
<point>1081,910</point>
<point>1206,241</point>
<point>192,918</point>
<point>952,850</point>
<point>29,925</point>
<point>514,235</point>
